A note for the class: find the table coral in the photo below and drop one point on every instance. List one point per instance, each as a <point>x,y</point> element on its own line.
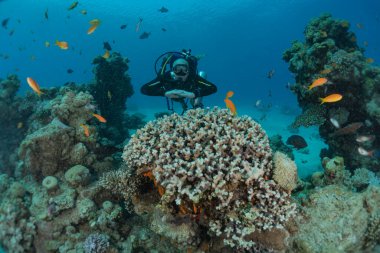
<point>210,164</point>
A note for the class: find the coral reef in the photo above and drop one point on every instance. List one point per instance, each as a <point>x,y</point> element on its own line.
<point>17,226</point>
<point>96,243</point>
<point>207,166</point>
<point>110,91</point>
<point>50,203</point>
<point>330,50</point>
<point>14,111</point>
<point>338,220</point>
<point>277,144</point>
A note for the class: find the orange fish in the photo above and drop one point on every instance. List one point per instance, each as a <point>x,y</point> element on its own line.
<point>319,82</point>
<point>331,98</point>
<point>85,129</point>
<point>95,22</point>
<point>230,105</point>
<point>62,44</point>
<point>106,55</point>
<point>229,94</point>
<point>369,60</point>
<point>100,118</point>
<point>34,85</point>
<point>92,29</point>
<point>325,71</point>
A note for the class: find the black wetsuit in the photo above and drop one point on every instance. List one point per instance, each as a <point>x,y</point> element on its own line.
<point>198,85</point>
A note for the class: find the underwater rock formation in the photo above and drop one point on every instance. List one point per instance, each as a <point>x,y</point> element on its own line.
<point>14,112</point>
<point>330,51</point>
<point>339,220</point>
<point>110,91</point>
<point>17,226</point>
<point>205,171</point>
<point>62,142</point>
<point>51,203</point>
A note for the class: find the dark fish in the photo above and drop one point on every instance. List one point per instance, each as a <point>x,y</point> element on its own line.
<point>349,129</point>
<point>163,9</point>
<point>46,14</point>
<point>69,71</point>
<point>145,35</point>
<point>73,5</point>
<point>4,23</point>
<point>107,46</point>
<point>122,27</point>
<point>138,25</point>
<point>163,29</point>
<point>296,141</point>
<point>11,32</point>
<point>271,73</point>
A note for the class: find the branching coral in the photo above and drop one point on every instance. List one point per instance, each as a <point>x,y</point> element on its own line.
<point>212,164</point>
<point>96,243</point>
<point>314,115</point>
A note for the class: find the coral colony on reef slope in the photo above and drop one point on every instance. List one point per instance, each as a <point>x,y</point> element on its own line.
<point>206,181</point>
<point>210,167</point>
<point>330,50</point>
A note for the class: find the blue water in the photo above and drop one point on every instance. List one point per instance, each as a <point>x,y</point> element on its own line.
<point>241,40</point>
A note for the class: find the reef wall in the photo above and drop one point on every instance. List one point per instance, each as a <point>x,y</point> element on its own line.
<point>331,51</point>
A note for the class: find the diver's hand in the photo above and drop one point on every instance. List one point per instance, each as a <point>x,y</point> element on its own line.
<point>179,94</point>
<point>172,94</point>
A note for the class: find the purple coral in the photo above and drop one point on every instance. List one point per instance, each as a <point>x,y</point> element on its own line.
<point>96,243</point>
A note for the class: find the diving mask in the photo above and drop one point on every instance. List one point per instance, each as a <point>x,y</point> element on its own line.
<point>181,69</point>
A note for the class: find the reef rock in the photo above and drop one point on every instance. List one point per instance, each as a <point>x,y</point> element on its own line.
<point>47,149</point>
<point>338,220</point>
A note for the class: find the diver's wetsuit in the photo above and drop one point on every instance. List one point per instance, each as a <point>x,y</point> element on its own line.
<point>198,85</point>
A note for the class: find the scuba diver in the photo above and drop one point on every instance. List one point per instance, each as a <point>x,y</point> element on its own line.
<point>178,80</point>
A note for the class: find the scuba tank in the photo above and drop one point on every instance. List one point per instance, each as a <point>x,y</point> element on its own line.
<point>168,59</point>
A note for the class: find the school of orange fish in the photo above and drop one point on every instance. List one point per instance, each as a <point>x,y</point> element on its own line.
<point>332,98</point>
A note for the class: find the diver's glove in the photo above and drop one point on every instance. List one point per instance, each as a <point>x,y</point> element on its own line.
<point>179,94</point>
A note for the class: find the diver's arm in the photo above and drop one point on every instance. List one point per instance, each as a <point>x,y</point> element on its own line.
<point>204,87</point>
<point>153,88</point>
